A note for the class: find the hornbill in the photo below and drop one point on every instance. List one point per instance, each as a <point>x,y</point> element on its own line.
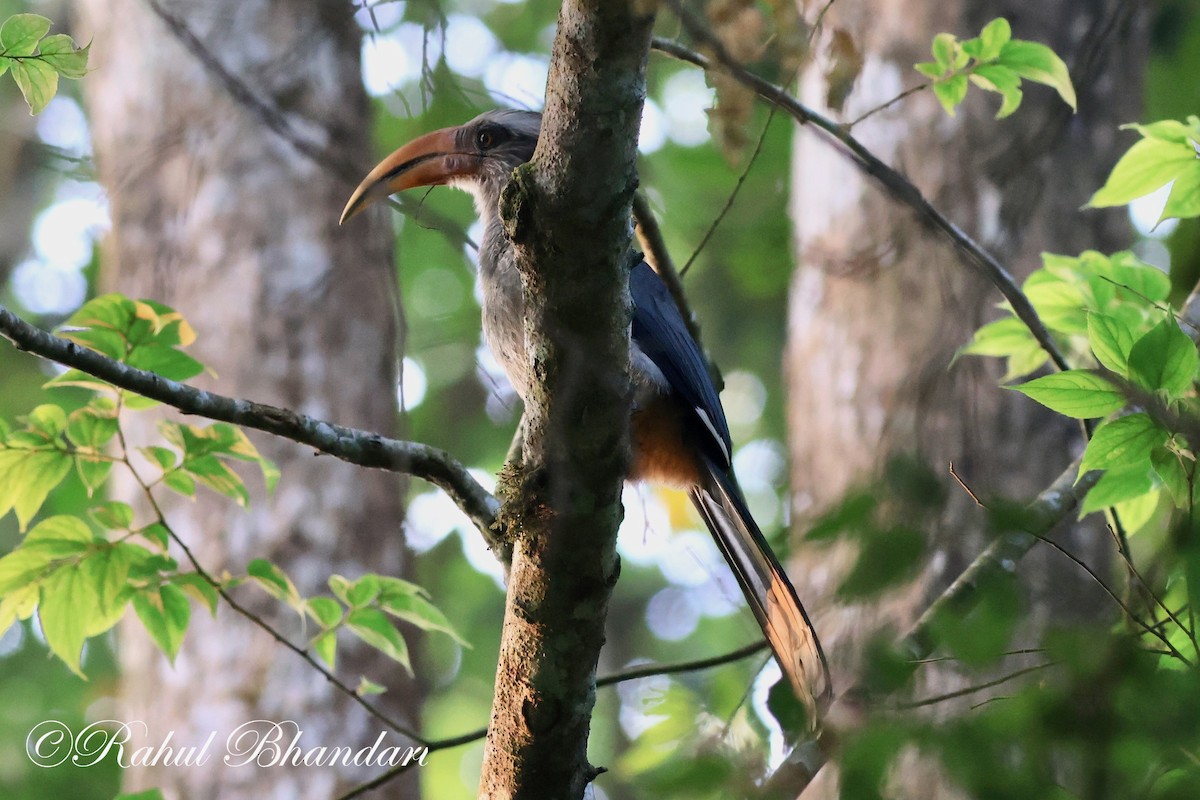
<point>679,432</point>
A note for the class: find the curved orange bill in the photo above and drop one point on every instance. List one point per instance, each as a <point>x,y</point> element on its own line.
<point>429,160</point>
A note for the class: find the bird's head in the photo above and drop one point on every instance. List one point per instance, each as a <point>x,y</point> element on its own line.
<point>478,157</point>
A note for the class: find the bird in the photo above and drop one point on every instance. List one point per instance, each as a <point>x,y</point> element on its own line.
<point>679,434</point>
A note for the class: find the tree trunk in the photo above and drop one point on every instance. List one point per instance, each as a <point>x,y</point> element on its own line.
<point>218,216</point>
<point>567,213</point>
<point>878,307</point>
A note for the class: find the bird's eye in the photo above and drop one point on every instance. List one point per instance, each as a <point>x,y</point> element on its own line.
<point>485,139</point>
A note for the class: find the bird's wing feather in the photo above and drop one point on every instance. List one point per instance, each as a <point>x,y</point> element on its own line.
<point>659,331</point>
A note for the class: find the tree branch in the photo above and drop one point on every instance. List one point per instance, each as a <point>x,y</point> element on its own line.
<point>896,185</point>
<point>363,448</point>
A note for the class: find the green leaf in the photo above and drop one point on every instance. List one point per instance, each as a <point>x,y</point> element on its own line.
<point>324,610</point>
<point>992,39</point>
<point>112,515</point>
<point>1170,470</point>
<point>1128,271</point>
<point>1169,130</point>
<point>1059,302</point>
<point>37,81</point>
<point>885,559</point>
<point>1002,80</point>
<point>1135,513</point>
<point>1146,166</point>
<point>1121,441</point>
<point>340,587</point>
<point>944,50</point>
<point>195,585</point>
<point>31,563</point>
<point>1040,64</point>
<point>417,610</point>
<point>367,688</point>
<point>325,646</point>
<point>1164,359</point>
<point>105,342</point>
<point>66,609</point>
<point>108,571</point>
<point>163,457</point>
<point>1078,394</point>
<point>1184,200</point>
<point>112,311</point>
<point>156,532</point>
<point>60,528</point>
<point>61,53</point>
<point>168,362</point>
<point>363,591</point>
<point>180,482</point>
<point>1000,338</point>
<point>854,514</point>
<point>929,69</point>
<point>1116,486</point>
<point>27,478</point>
<point>47,419</point>
<point>1111,340</point>
<point>21,33</point>
<point>18,604</point>
<point>74,377</point>
<point>1025,362</point>
<point>165,613</point>
<point>950,92</point>
<point>92,426</point>
<point>218,476</point>
<point>374,628</point>
<point>276,583</point>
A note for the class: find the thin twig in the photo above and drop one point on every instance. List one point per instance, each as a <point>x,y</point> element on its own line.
<point>729,201</point>
<point>979,687</point>
<point>1124,607</point>
<point>964,486</point>
<point>888,104</point>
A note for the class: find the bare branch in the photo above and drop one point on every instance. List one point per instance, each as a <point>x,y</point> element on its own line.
<point>363,448</point>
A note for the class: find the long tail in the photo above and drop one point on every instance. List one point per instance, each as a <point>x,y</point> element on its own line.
<point>767,588</point>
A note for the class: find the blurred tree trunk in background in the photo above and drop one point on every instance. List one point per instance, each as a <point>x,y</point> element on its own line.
<point>878,305</point>
<point>216,215</point>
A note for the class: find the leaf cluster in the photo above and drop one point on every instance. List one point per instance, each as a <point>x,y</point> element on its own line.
<point>1109,314</point>
<point>81,573</point>
<point>995,62</point>
<point>37,60</point>
<point>365,607</point>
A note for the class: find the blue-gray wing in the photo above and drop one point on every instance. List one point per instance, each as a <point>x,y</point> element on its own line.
<point>659,330</point>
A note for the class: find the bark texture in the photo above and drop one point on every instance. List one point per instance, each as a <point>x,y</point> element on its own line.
<point>567,213</point>
<point>878,307</point>
<point>217,216</point>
